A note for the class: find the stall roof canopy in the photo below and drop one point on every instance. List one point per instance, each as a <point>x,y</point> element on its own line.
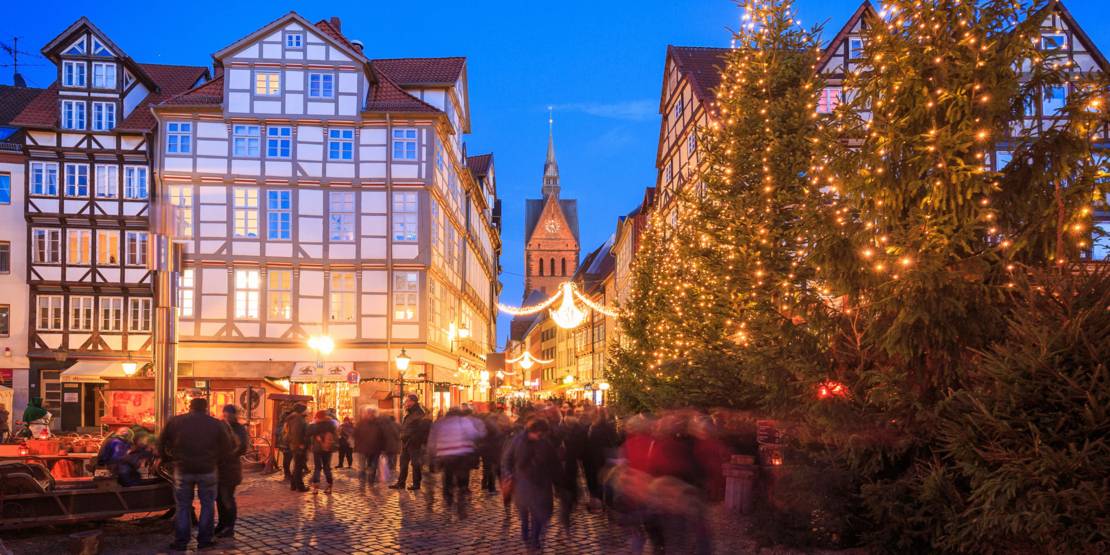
<point>93,371</point>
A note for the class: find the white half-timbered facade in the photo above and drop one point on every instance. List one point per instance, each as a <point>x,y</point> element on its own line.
<point>319,192</point>
<point>87,140</point>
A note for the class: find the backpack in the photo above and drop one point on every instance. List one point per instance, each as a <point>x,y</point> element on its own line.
<point>326,441</point>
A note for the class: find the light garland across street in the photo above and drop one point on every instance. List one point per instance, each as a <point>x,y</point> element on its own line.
<point>567,315</point>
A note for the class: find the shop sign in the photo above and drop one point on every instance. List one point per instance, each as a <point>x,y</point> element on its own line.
<point>307,372</point>
<point>70,397</point>
<point>353,377</point>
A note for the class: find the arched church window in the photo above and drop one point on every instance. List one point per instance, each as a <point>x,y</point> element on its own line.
<point>552,266</point>
<point>541,267</point>
<point>564,266</point>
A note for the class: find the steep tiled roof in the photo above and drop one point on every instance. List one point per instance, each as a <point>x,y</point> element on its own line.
<point>702,66</point>
<point>387,96</point>
<point>479,164</point>
<point>328,29</point>
<point>533,208</point>
<point>208,93</point>
<point>422,71</point>
<point>13,100</point>
<point>171,80</point>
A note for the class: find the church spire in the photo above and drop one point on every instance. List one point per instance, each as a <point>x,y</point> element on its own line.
<point>550,166</point>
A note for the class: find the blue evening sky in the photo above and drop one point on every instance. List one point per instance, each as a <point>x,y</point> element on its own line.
<point>599,63</point>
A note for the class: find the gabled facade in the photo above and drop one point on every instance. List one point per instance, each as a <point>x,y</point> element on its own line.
<point>88,140</point>
<point>318,191</point>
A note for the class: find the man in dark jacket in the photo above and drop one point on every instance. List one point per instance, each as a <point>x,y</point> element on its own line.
<point>323,435</point>
<point>296,439</point>
<point>414,435</point>
<point>194,443</point>
<point>231,475</point>
<point>368,443</point>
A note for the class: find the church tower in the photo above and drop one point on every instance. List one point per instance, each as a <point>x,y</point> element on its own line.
<point>551,244</point>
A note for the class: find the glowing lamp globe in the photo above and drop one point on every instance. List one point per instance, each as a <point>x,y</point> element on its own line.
<point>402,360</point>
<point>527,362</point>
<point>130,368</point>
<point>568,316</point>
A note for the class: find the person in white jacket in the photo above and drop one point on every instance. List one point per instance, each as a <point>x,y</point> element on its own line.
<point>453,445</point>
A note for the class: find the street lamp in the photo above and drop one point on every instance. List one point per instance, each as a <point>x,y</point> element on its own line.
<point>402,362</point>
<point>323,346</point>
<point>130,367</point>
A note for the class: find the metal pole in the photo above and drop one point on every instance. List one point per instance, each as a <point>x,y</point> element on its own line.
<point>165,260</point>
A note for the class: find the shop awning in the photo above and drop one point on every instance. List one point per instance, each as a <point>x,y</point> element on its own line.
<point>331,372</point>
<point>93,371</point>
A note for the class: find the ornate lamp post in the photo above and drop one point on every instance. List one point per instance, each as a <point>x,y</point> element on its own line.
<point>402,361</point>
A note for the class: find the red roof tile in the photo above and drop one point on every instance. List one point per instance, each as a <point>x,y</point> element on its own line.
<point>423,71</point>
<point>13,100</point>
<point>479,165</point>
<point>171,80</point>
<point>702,66</point>
<point>328,29</point>
<point>388,96</point>
<point>209,93</point>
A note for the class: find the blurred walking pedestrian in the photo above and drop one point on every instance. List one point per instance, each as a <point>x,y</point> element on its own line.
<point>282,445</point>
<point>391,445</point>
<point>453,444</point>
<point>324,438</point>
<point>294,428</point>
<point>231,475</point>
<point>492,446</point>
<point>346,442</point>
<point>195,443</point>
<point>601,440</point>
<point>368,444</point>
<point>530,467</point>
<point>4,417</point>
<point>414,436</point>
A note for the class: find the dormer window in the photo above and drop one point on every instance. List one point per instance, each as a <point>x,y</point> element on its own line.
<point>73,74</point>
<point>1054,41</point>
<point>99,49</point>
<point>104,75</point>
<point>294,40</point>
<point>855,48</point>
<point>77,48</point>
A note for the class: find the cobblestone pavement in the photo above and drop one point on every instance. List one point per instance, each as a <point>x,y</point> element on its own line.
<point>372,519</point>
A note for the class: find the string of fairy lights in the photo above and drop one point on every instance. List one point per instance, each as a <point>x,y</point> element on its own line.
<point>866,127</point>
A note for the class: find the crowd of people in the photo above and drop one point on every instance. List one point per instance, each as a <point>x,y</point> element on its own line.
<point>652,474</point>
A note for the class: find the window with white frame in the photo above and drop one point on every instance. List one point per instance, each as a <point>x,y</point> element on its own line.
<point>179,137</point>
<point>341,144</point>
<point>321,85</point>
<point>691,144</point>
<point>135,183</point>
<point>44,179</point>
<point>246,294</point>
<point>279,295</point>
<point>107,247</point>
<point>679,106</point>
<point>1002,158</point>
<point>103,75</point>
<point>279,215</point>
<point>294,40</point>
<point>139,311</point>
<point>855,48</point>
<point>73,114</point>
<point>244,140</point>
<point>185,290</point>
<point>81,313</point>
<point>111,314</point>
<point>341,216</point>
<point>104,116</point>
<point>244,209</point>
<point>668,172</point>
<point>79,247</point>
<point>1054,41</point>
<point>49,312</point>
<point>279,141</point>
<point>135,245</point>
<point>77,180</point>
<point>181,197</point>
<point>1100,241</point>
<point>341,297</point>
<point>99,49</point>
<point>404,144</point>
<point>405,216</point>
<point>267,83</point>
<point>73,73</point>
<point>828,99</point>
<point>77,48</point>
<point>405,295</point>
<point>46,246</point>
<point>107,181</point>
<point>1053,100</point>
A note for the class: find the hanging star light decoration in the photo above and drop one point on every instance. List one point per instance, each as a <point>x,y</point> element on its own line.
<point>527,361</point>
<point>567,315</point>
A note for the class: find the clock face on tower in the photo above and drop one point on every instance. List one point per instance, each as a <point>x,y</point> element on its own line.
<point>551,225</point>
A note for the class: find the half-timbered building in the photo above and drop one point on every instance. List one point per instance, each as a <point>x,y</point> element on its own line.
<point>88,140</point>
<point>322,192</point>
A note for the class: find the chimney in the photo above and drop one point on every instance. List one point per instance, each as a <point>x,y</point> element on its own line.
<point>358,45</point>
<point>336,23</point>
